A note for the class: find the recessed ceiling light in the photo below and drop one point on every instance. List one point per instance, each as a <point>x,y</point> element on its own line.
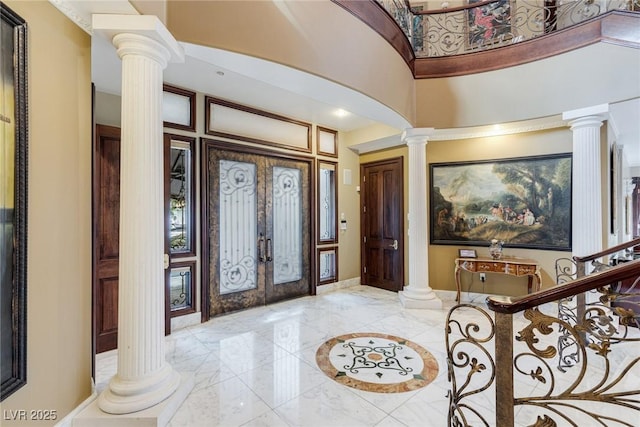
<point>341,113</point>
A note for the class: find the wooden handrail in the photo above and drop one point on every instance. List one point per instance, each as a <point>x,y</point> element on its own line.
<point>609,251</point>
<point>505,304</point>
<point>452,9</point>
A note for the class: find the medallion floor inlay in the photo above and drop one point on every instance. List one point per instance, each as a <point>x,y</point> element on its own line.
<point>377,362</point>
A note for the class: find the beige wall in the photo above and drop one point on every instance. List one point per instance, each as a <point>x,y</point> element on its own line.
<point>349,204</point>
<point>59,215</point>
<point>597,74</point>
<point>441,257</point>
<point>318,37</point>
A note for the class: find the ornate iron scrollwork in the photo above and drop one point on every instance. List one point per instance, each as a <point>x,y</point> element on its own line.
<point>471,368</point>
<point>602,386</point>
<point>491,25</point>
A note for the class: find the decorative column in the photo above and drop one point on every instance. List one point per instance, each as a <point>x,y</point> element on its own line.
<point>144,378</point>
<point>418,293</point>
<point>586,200</point>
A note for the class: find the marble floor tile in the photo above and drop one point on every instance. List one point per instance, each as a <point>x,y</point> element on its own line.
<point>330,404</point>
<point>283,380</point>
<point>258,367</point>
<point>228,403</point>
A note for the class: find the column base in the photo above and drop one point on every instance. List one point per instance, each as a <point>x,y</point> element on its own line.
<point>158,415</point>
<point>422,299</point>
<point>126,396</point>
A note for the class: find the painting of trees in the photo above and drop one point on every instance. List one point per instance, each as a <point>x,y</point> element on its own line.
<point>525,202</point>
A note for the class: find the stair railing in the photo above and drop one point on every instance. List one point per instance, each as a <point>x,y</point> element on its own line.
<point>524,384</point>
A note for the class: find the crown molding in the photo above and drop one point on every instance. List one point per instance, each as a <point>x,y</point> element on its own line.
<point>81,12</point>
<point>72,12</point>
<point>534,125</point>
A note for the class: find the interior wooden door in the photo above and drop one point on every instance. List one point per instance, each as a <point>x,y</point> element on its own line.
<point>382,224</point>
<point>106,230</point>
<point>106,217</point>
<point>256,228</point>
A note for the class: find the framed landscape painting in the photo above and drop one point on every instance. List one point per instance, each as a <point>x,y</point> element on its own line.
<point>524,202</point>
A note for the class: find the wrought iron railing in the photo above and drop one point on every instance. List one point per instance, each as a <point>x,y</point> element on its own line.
<point>530,379</point>
<point>482,25</point>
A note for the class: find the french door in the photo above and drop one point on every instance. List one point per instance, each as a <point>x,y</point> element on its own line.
<point>256,228</point>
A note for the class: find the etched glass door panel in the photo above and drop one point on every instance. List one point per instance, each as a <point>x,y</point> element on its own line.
<point>288,228</point>
<point>238,240</point>
<point>287,225</point>
<point>327,203</point>
<point>233,220</point>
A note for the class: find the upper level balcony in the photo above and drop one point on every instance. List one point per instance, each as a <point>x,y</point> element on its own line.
<point>448,38</point>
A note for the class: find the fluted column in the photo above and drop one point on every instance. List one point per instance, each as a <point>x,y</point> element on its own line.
<point>144,378</point>
<point>417,293</point>
<point>587,179</point>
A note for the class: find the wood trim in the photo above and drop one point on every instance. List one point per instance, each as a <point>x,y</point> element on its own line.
<point>376,17</point>
<point>208,100</point>
<point>616,27</point>
<point>192,214</point>
<point>205,303</point>
<point>192,101</point>
<point>335,142</point>
<point>335,277</point>
<point>317,201</point>
<point>192,269</point>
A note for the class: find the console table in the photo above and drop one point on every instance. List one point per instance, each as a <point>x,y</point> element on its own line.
<point>505,265</point>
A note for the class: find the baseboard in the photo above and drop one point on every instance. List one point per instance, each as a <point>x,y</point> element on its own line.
<point>329,287</point>
<point>185,321</point>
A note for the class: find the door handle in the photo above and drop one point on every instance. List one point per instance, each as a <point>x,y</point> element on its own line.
<point>269,258</point>
<point>394,245</point>
<point>261,248</point>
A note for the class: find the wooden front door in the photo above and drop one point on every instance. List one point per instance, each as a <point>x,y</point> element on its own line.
<point>256,228</point>
<point>382,224</point>
<point>106,230</point>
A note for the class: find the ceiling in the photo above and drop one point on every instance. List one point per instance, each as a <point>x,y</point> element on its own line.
<point>280,89</point>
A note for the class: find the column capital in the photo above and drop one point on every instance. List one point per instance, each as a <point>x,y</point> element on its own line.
<point>412,136</point>
<point>148,26</point>
<point>135,44</point>
<point>588,116</point>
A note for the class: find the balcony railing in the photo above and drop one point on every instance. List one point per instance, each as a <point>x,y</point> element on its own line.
<point>572,367</point>
<point>482,25</point>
